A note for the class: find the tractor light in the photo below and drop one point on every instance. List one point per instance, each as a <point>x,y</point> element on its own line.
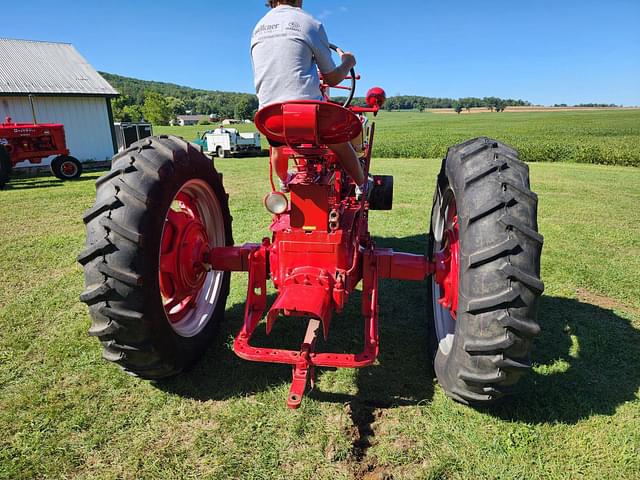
<point>276,203</point>
<point>376,97</point>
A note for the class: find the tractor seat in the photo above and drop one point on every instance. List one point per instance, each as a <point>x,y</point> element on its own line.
<point>308,122</point>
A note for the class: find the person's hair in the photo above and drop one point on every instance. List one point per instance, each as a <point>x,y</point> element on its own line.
<point>275,3</point>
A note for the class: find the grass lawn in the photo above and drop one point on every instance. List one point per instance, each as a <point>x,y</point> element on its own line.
<point>66,413</point>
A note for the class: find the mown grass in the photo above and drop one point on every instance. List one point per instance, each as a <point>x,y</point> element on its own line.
<point>65,413</point>
<point>602,136</point>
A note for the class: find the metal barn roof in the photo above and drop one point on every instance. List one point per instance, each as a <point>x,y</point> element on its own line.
<point>47,68</point>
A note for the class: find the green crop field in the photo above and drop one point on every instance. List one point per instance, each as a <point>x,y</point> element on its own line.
<point>601,136</point>
<point>66,413</point>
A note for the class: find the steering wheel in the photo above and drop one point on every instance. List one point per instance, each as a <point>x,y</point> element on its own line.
<point>352,77</point>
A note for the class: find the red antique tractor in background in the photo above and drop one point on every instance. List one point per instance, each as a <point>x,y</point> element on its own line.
<point>33,142</point>
<point>159,254</point>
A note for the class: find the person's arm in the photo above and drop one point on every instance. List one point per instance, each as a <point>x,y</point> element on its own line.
<point>321,48</point>
<point>338,75</point>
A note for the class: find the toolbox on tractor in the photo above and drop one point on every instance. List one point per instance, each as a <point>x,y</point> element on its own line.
<point>160,251</point>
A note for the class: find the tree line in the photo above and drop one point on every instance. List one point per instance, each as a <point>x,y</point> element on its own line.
<point>415,102</point>
<point>159,102</point>
<point>404,102</point>
<point>590,105</point>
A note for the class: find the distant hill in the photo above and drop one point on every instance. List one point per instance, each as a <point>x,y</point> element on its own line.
<point>180,100</point>
<point>135,88</point>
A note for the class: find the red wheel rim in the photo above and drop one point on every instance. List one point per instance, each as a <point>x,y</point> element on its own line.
<point>447,261</point>
<point>68,169</point>
<point>189,289</point>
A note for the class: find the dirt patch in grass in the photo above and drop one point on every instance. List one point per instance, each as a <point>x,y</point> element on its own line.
<point>364,416</point>
<point>604,302</point>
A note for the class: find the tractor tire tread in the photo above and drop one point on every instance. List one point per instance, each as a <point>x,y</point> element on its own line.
<point>469,397</point>
<point>101,208</point>
<point>124,306</point>
<point>133,193</point>
<point>146,166</point>
<point>512,222</point>
<point>493,252</point>
<point>476,176</point>
<point>471,154</point>
<point>530,281</point>
<point>125,276</point>
<point>522,191</point>
<point>524,328</point>
<point>120,314</point>
<point>487,209</point>
<point>6,167</point>
<point>513,364</point>
<point>492,302</point>
<point>123,231</point>
<point>98,249</point>
<point>486,345</point>
<point>481,378</point>
<point>103,329</point>
<point>500,272</point>
<point>118,172</point>
<point>96,293</point>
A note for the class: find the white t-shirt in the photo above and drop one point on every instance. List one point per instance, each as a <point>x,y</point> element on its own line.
<point>286,46</point>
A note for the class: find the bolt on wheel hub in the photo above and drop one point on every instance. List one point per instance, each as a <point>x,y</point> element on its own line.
<point>183,257</point>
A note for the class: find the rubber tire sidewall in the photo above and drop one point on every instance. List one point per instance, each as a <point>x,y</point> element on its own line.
<point>182,351</point>
<point>56,167</point>
<point>492,373</point>
<point>159,351</point>
<point>5,167</point>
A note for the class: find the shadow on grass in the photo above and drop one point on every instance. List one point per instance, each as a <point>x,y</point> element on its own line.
<point>45,181</point>
<point>402,375</point>
<point>26,184</point>
<point>587,361</point>
<point>587,358</point>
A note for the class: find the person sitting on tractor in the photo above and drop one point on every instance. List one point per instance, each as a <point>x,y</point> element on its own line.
<point>288,47</point>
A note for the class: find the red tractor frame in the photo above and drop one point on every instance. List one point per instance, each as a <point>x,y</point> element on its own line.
<point>33,142</point>
<point>159,252</point>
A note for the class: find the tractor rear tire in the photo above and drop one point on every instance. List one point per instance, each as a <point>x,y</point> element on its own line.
<point>479,356</point>
<point>121,261</point>
<point>66,167</point>
<point>5,167</point>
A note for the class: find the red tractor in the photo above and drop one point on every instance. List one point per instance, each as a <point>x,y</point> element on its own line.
<point>33,142</point>
<point>159,254</point>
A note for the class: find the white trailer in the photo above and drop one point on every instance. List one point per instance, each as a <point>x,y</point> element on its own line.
<point>225,142</point>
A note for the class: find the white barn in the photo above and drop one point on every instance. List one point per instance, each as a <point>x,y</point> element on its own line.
<point>64,89</point>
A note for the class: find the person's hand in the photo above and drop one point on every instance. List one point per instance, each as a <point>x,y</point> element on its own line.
<point>347,58</point>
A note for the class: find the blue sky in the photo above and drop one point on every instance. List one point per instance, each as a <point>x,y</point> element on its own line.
<point>545,51</point>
